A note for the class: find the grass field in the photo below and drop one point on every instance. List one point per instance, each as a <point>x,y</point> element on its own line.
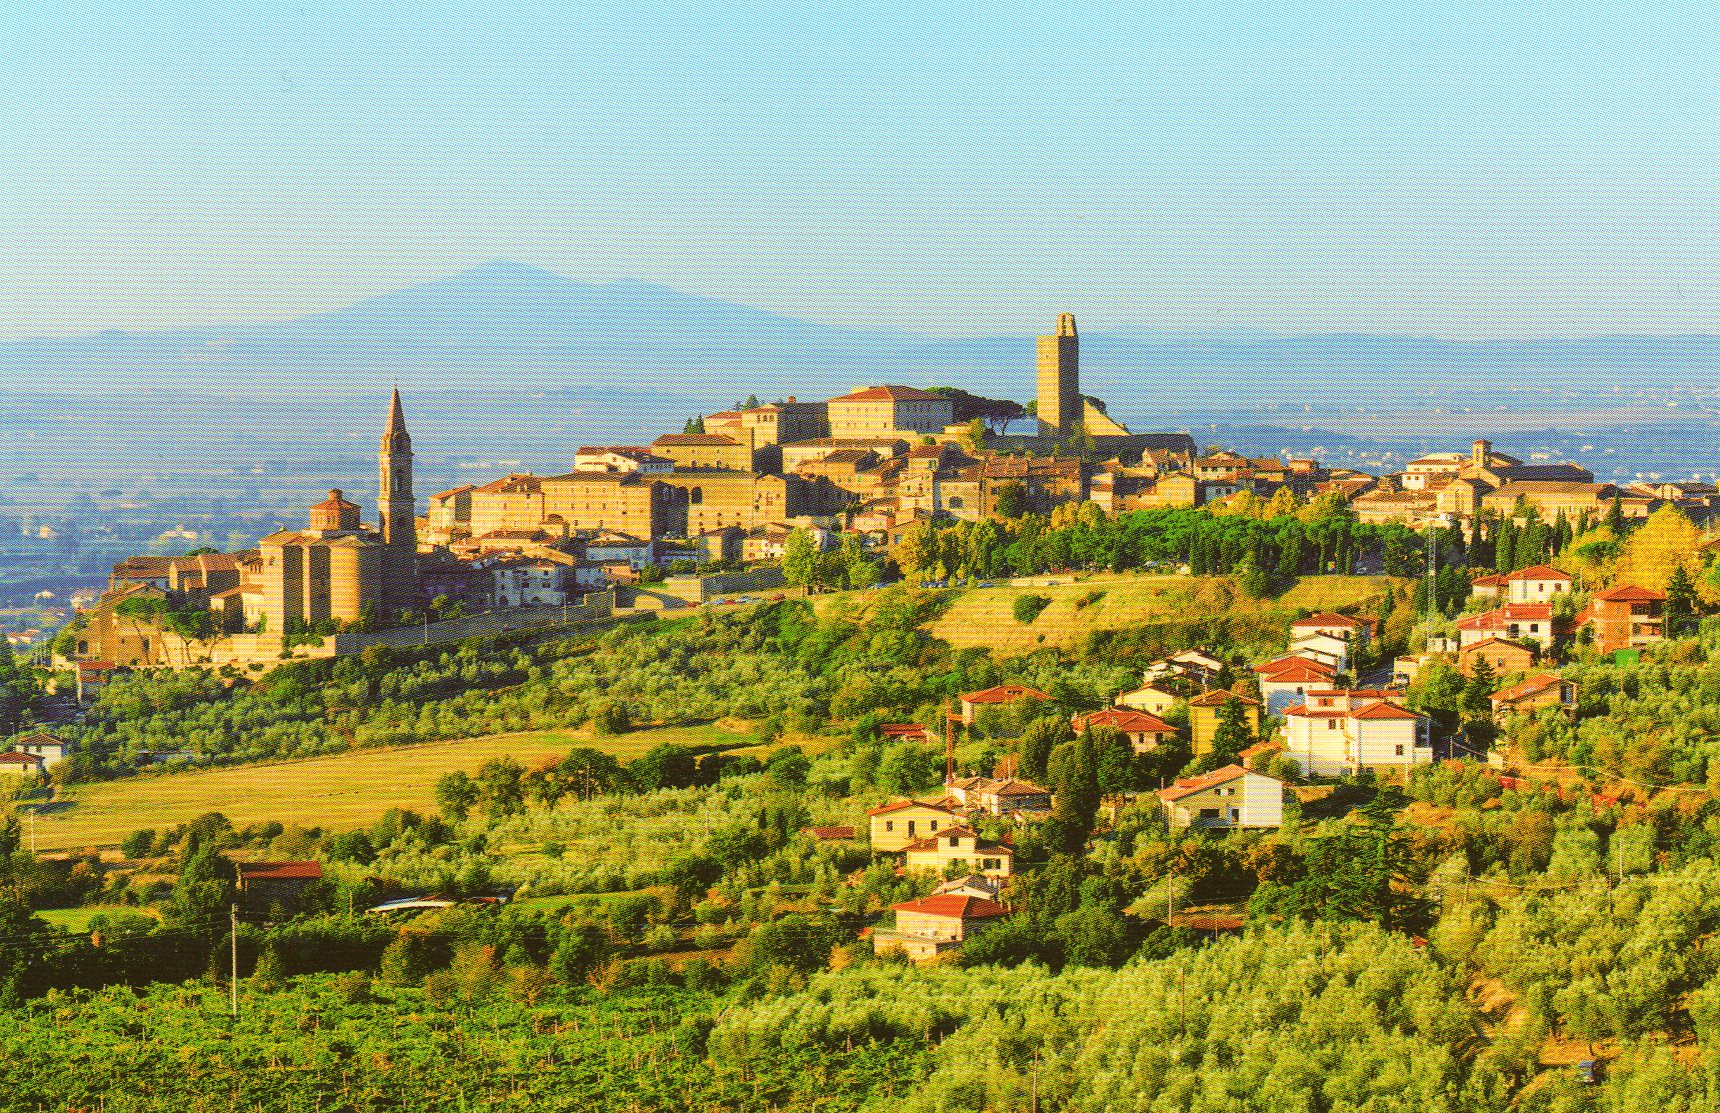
<point>338,792</point>
<point>77,920</point>
<point>985,616</point>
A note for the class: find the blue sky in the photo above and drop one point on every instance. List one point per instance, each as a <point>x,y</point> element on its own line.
<point>1499,170</point>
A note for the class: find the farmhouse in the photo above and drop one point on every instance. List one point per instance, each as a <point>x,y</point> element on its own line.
<point>1341,731</point>
<point>893,826</point>
<point>929,926</point>
<point>1528,696</point>
<point>958,848</point>
<point>1000,696</point>
<point>1502,656</point>
<point>1145,732</point>
<point>1227,798</point>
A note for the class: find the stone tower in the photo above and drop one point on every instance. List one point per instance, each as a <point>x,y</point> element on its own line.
<point>395,505</point>
<point>1060,379</point>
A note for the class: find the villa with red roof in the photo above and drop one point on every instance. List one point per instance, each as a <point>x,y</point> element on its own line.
<point>1343,731</point>
<point>958,847</point>
<point>1513,621</point>
<point>1501,654</point>
<point>929,926</point>
<point>1528,696</point>
<point>1353,630</point>
<point>889,410</point>
<point>1000,695</point>
<point>1625,616</point>
<point>892,827</point>
<point>1229,798</point>
<point>1286,680</point>
<point>1145,732</point>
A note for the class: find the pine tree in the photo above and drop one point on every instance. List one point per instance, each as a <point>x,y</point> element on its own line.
<point>694,426</point>
<point>1680,604</point>
<point>1480,686</point>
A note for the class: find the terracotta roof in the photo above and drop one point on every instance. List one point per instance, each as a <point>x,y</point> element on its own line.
<point>1124,719</point>
<point>1328,618</point>
<point>1003,693</point>
<point>1511,612</point>
<point>1539,572</point>
<point>1013,787</point>
<point>901,730</point>
<point>1495,580</point>
<point>829,833</point>
<point>953,906</point>
<point>1188,786</point>
<point>898,805</point>
<point>694,439</point>
<point>1537,683</point>
<point>452,491</point>
<point>1384,709</point>
<point>930,841</point>
<point>1299,670</point>
<point>13,757</point>
<point>1631,593</point>
<point>1219,697</point>
<point>891,393</point>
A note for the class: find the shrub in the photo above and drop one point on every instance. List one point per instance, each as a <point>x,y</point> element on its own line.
<point>1027,607</point>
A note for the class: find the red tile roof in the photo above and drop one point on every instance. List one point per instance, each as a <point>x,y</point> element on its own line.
<point>13,757</point>
<point>890,393</point>
<point>1124,719</point>
<point>1219,697</point>
<point>1538,683</point>
<point>829,833</point>
<point>1003,693</point>
<point>1327,618</point>
<point>1539,572</point>
<point>898,805</point>
<point>1384,710</point>
<point>953,906</point>
<point>1188,786</point>
<point>1631,593</point>
<point>1298,671</point>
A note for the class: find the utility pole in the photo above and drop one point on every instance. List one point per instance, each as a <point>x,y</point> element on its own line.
<point>233,981</point>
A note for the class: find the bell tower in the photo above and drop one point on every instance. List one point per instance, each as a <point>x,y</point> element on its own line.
<point>394,502</point>
<point>1059,368</point>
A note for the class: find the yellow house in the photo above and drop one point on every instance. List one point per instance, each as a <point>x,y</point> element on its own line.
<point>1232,797</point>
<point>1203,717</point>
<point>1149,698</point>
<point>894,826</point>
<point>959,847</point>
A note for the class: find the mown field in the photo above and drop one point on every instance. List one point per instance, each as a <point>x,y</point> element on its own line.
<point>337,792</point>
<point>985,616</point>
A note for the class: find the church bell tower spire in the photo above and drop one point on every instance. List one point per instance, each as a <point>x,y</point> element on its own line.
<point>395,505</point>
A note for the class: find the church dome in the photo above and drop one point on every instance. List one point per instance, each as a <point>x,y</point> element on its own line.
<point>335,513</point>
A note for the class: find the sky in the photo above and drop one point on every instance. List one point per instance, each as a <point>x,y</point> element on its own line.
<point>1486,171</point>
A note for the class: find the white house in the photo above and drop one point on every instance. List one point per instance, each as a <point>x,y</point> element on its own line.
<point>1342,626</point>
<point>1230,798</point>
<point>1343,731</point>
<point>1327,649</point>
<point>1287,680</point>
<point>961,848</point>
<point>1145,732</point>
<point>1539,584</point>
<point>1513,622</point>
<point>1149,698</point>
<point>21,764</point>
<point>529,581</point>
<point>40,744</point>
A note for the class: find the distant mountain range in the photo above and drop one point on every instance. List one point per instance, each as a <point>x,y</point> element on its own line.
<point>504,326</point>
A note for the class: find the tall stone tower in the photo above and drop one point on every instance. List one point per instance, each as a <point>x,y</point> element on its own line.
<point>1060,379</point>
<point>395,505</point>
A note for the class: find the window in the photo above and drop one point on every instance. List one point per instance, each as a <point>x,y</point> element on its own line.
<point>1331,724</point>
<point>1209,813</point>
<point>934,825</point>
<point>1400,749</point>
<point>889,825</point>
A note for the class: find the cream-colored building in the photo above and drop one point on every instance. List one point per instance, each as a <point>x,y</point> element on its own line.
<point>959,848</point>
<point>889,410</point>
<point>929,926</point>
<point>893,827</point>
<point>1339,731</point>
<point>1231,798</point>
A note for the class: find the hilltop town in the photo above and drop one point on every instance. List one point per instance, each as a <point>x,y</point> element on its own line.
<point>710,512</point>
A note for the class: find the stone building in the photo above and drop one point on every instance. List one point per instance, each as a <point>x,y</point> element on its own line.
<point>891,411</point>
<point>1059,379</point>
